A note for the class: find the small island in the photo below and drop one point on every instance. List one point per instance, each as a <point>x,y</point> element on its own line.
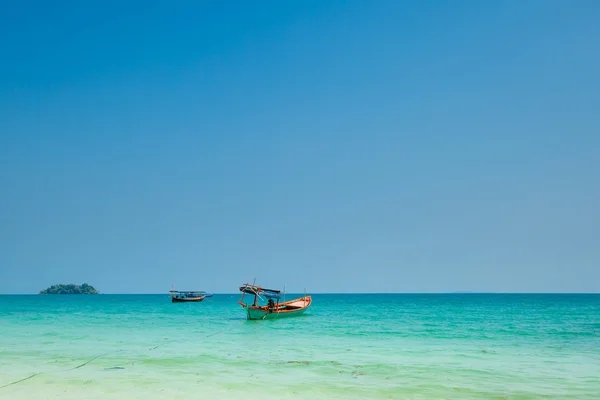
<point>70,289</point>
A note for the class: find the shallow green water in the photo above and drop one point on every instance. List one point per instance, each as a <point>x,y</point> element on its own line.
<point>461,346</point>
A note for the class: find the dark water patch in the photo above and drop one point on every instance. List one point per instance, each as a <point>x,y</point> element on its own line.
<point>89,361</point>
<point>313,363</point>
<point>294,362</point>
<point>20,380</point>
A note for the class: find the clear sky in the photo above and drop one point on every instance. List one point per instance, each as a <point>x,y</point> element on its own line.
<point>337,146</point>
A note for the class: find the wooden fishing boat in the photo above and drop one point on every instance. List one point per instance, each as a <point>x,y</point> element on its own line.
<point>186,296</point>
<point>274,308</point>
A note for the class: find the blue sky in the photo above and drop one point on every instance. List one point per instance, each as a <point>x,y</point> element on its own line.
<point>337,146</point>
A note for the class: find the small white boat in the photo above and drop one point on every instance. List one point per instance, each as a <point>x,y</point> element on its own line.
<point>273,309</point>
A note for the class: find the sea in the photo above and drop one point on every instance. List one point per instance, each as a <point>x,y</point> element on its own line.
<point>348,346</point>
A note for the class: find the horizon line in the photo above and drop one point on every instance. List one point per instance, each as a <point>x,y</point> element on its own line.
<point>319,293</point>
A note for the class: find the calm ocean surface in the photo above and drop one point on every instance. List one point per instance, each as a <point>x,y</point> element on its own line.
<point>459,346</point>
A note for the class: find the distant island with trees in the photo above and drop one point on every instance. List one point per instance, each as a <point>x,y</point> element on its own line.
<point>70,289</point>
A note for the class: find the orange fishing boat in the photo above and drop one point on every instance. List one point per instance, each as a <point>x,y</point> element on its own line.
<point>274,308</point>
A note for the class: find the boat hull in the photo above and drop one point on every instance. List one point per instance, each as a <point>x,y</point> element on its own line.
<point>190,300</point>
<point>288,309</point>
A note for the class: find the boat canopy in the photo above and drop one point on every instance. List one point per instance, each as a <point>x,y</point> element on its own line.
<point>186,291</point>
<point>190,293</point>
<point>259,291</point>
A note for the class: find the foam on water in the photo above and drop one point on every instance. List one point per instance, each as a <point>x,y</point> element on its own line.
<point>346,347</point>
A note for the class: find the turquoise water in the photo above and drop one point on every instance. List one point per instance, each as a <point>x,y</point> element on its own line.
<point>462,346</point>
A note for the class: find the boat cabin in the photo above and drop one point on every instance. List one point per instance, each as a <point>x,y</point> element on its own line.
<point>270,295</point>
